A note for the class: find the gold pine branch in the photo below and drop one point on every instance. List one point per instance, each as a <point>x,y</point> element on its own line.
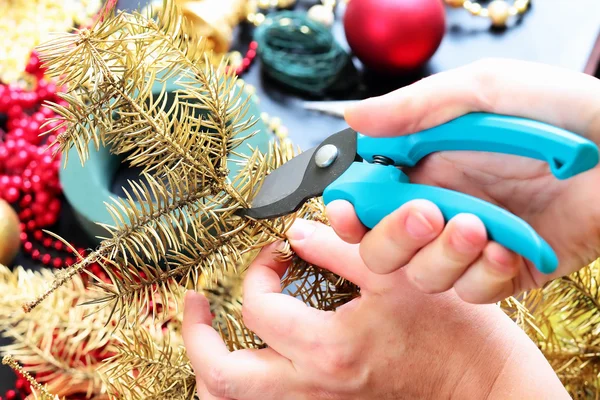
<point>150,366</point>
<point>185,145</point>
<point>57,342</point>
<point>38,391</point>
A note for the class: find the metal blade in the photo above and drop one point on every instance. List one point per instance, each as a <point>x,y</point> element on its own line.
<point>288,187</point>
<point>284,181</point>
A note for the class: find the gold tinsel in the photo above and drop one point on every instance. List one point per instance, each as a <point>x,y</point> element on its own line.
<point>122,338</point>
<point>26,23</point>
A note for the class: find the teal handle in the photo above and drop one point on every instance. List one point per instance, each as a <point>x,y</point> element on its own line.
<point>566,153</point>
<point>377,190</point>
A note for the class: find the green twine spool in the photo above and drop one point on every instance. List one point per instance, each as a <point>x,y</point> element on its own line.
<point>299,52</point>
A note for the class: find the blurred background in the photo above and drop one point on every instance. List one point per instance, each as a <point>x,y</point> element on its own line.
<point>352,49</point>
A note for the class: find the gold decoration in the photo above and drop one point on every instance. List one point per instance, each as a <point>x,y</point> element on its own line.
<point>10,241</point>
<point>214,20</point>
<point>38,391</point>
<point>322,14</point>
<point>256,9</point>
<point>26,23</point>
<point>498,11</point>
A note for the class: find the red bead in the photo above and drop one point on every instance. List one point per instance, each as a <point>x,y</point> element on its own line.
<point>48,219</point>
<point>31,225</point>
<point>11,395</point>
<point>253,45</point>
<point>22,157</point>
<point>38,208</point>
<point>42,198</point>
<point>22,123</point>
<point>38,235</point>
<point>25,201</point>
<point>245,63</point>
<point>16,181</point>
<point>251,54</point>
<point>20,383</point>
<point>35,254</point>
<point>54,206</point>
<point>27,186</point>
<point>46,112</point>
<point>51,88</point>
<point>69,260</point>
<point>57,263</point>
<point>58,245</point>
<point>39,117</point>
<point>48,176</point>
<point>14,111</point>
<point>47,242</point>
<point>10,146</point>
<point>22,226</point>
<point>25,214</point>
<point>28,247</point>
<point>12,194</point>
<point>23,236</point>
<point>46,259</point>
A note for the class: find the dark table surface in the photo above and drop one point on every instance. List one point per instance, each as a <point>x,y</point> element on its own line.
<point>555,32</point>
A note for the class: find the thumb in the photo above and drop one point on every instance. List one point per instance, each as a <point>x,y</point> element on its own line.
<point>500,86</point>
<point>319,245</point>
<point>426,103</point>
<point>196,318</point>
<point>196,310</point>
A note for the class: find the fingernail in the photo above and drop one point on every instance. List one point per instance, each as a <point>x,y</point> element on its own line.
<point>466,239</point>
<point>193,296</point>
<point>301,229</point>
<point>499,257</point>
<point>463,242</point>
<point>417,225</point>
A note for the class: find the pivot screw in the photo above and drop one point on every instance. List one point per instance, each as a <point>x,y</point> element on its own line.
<point>326,155</point>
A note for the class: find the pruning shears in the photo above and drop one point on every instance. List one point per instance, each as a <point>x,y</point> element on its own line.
<point>366,171</point>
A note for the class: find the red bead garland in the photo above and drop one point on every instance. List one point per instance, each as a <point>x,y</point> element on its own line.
<point>29,180</point>
<point>248,59</point>
<point>28,171</point>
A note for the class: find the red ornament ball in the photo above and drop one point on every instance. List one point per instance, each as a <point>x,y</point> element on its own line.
<point>394,35</point>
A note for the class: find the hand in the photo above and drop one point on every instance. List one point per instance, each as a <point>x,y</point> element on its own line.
<point>565,213</point>
<point>392,342</point>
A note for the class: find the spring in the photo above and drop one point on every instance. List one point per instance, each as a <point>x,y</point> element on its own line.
<point>382,160</point>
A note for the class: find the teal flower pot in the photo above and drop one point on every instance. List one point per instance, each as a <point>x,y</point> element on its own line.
<point>87,188</point>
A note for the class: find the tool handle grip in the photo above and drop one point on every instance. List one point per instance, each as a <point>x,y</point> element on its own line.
<point>376,190</point>
<point>566,153</point>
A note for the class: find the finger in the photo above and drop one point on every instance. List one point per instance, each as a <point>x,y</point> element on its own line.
<point>240,374</point>
<point>396,238</point>
<point>345,222</point>
<point>204,394</point>
<point>283,322</point>
<point>319,245</point>
<point>492,277</point>
<point>501,86</point>
<point>436,267</point>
